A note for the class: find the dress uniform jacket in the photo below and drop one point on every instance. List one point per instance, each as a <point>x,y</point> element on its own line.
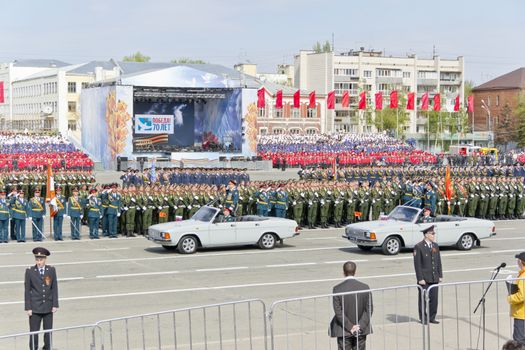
<point>41,294</point>
<point>427,262</point>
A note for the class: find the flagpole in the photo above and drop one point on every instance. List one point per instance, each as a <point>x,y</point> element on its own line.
<point>397,122</point>
<point>428,131</point>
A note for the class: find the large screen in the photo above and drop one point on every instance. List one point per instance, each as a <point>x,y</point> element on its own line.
<point>192,124</point>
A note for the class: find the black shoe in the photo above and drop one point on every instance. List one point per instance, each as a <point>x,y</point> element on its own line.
<point>434,321</point>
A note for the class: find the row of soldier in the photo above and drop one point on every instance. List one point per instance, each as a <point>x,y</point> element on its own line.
<point>173,176</point>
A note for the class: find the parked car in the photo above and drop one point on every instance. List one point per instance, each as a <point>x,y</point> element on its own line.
<point>402,229</point>
<point>206,228</point>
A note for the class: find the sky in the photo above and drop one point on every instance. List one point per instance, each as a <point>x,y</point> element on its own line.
<point>489,34</point>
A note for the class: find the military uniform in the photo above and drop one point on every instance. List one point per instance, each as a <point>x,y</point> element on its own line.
<point>94,207</point>
<point>58,218</point>
<point>4,219</point>
<point>75,211</point>
<point>37,213</point>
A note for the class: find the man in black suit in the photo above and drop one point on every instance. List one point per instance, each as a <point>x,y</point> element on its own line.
<point>41,297</point>
<point>427,263</point>
<point>351,323</point>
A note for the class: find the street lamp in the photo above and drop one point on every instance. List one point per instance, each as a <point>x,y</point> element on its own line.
<point>486,108</point>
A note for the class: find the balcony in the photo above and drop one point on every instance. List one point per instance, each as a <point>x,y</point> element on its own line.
<point>389,80</point>
<point>427,81</point>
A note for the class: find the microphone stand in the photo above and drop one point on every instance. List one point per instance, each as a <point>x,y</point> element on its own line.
<point>482,302</point>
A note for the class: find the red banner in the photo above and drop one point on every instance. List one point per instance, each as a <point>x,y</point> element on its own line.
<point>424,102</point>
<point>456,104</point>
<point>330,102</point>
<point>2,92</point>
<point>362,100</point>
<point>311,103</point>
<point>297,99</point>
<point>260,98</point>
<point>279,99</point>
<point>437,102</point>
<point>345,101</point>
<point>411,97</point>
<point>393,100</point>
<point>379,101</point>
<point>470,104</point>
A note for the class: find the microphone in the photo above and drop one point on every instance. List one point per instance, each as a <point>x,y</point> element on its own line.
<point>502,265</point>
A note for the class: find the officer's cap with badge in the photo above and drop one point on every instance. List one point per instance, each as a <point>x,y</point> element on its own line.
<point>429,229</point>
<point>41,253</point>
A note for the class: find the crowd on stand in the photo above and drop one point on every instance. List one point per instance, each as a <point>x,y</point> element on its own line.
<point>174,176</point>
<point>36,151</point>
<point>340,148</point>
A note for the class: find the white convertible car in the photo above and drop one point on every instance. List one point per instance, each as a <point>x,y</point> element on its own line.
<point>206,228</point>
<point>402,229</point>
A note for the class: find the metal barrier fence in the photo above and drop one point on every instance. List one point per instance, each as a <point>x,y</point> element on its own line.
<point>302,323</point>
<point>235,325</point>
<point>78,337</point>
<point>459,327</point>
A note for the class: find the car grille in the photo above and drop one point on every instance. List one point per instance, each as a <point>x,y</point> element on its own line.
<point>155,234</point>
<point>355,232</point>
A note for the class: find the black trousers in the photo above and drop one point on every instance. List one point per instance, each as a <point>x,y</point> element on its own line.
<point>430,314</point>
<point>12,232</point>
<point>351,343</point>
<point>34,325</point>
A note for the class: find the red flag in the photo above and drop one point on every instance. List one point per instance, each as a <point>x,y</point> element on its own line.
<point>260,98</point>
<point>448,187</point>
<point>424,102</point>
<point>279,99</point>
<point>379,101</point>
<point>346,99</point>
<point>330,102</point>
<point>437,103</point>
<point>311,103</point>
<point>297,99</point>
<point>411,101</point>
<point>362,100</point>
<point>470,104</point>
<point>393,99</point>
<point>456,104</point>
<point>2,92</point>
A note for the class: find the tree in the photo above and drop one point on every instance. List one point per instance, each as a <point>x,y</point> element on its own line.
<point>317,47</point>
<point>469,85</point>
<point>186,60</point>
<point>503,131</point>
<point>519,114</point>
<point>136,57</point>
<point>386,120</point>
<point>326,47</point>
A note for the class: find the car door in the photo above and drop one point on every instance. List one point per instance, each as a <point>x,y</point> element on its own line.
<point>223,233</point>
<point>249,232</point>
<point>446,232</point>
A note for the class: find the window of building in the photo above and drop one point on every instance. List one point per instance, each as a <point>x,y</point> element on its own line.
<point>312,113</point>
<point>278,131</point>
<point>85,85</point>
<point>295,131</point>
<point>72,87</point>
<point>262,112</point>
<point>345,71</point>
<point>497,100</point>
<point>367,87</point>
<point>72,125</point>
<point>277,112</point>
<point>71,106</point>
<point>367,74</point>
<point>263,131</point>
<point>311,131</point>
<point>383,87</point>
<point>406,74</point>
<point>296,113</point>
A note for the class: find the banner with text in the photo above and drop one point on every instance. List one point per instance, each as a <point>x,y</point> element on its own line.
<point>153,124</point>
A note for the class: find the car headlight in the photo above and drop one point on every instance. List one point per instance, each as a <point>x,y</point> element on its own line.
<point>165,235</point>
<point>370,235</point>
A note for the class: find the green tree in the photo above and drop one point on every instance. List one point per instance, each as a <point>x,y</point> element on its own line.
<point>317,47</point>
<point>469,85</point>
<point>327,47</point>
<point>186,60</point>
<point>519,114</point>
<point>387,119</point>
<point>136,57</point>
<point>503,131</point>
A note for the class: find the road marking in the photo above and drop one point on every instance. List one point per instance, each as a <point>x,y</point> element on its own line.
<point>138,274</point>
<point>60,280</point>
<point>505,228</point>
<point>109,249</point>
<point>321,238</point>
<point>507,251</point>
<point>507,239</point>
<point>288,265</point>
<point>223,269</point>
<point>2,254</point>
<point>198,255</point>
<point>343,261</point>
<point>235,286</point>
<point>399,258</point>
<point>461,254</point>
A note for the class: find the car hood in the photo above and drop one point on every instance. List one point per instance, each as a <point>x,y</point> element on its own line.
<point>377,225</point>
<point>167,226</point>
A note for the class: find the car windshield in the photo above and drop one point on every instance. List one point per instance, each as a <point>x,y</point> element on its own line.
<point>204,214</point>
<point>403,214</point>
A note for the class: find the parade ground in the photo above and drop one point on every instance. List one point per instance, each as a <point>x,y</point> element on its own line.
<point>113,278</point>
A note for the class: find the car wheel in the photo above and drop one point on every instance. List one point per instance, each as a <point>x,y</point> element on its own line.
<point>169,247</point>
<point>267,241</point>
<point>466,242</point>
<point>366,248</point>
<point>391,246</point>
<point>187,245</point>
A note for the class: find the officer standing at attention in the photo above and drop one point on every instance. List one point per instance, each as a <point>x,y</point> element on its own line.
<point>232,196</point>
<point>281,205</point>
<point>94,213</point>
<point>427,263</point>
<point>4,217</point>
<point>41,297</point>
<point>113,210</point>
<point>37,213</point>
<point>58,218</point>
<point>19,208</point>
<point>75,210</point>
